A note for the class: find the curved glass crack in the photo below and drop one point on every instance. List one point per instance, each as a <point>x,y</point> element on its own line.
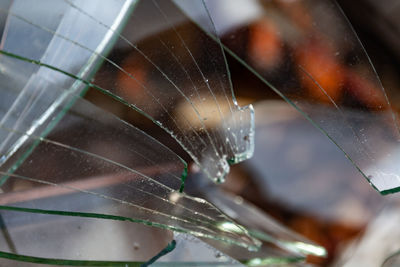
<point>392,260</point>
<point>278,242</point>
<point>191,251</point>
<point>263,227</point>
<point>70,244</point>
<point>92,154</point>
<point>22,77</point>
<point>178,77</point>
<point>308,53</point>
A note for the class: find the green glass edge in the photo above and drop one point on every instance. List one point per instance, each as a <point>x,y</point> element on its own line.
<point>64,262</point>
<point>317,250</point>
<point>102,90</point>
<point>243,156</point>
<point>387,192</point>
<point>315,124</point>
<point>61,114</point>
<point>216,237</point>
<point>169,248</point>
<point>395,254</point>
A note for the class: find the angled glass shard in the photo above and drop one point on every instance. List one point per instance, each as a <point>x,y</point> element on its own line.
<point>192,251</point>
<point>101,159</point>
<point>56,143</point>
<point>392,260</point>
<point>29,236</point>
<point>61,238</point>
<point>264,227</point>
<point>172,72</point>
<point>36,44</point>
<point>280,244</point>
<point>307,52</point>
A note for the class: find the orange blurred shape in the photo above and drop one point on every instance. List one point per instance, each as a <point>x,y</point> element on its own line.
<point>319,71</point>
<point>265,46</point>
<point>131,83</point>
<point>372,96</point>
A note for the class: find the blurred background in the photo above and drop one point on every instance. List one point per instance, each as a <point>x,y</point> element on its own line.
<point>297,175</point>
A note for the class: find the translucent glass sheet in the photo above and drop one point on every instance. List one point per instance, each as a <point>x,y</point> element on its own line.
<point>22,80</point>
<point>307,52</point>
<point>319,181</point>
<point>392,261</point>
<point>56,239</point>
<point>263,227</point>
<point>191,251</point>
<point>177,78</point>
<point>63,156</point>
<point>90,153</point>
<point>53,239</point>
<point>279,243</point>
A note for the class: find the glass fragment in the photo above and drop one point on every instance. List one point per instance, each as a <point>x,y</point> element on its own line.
<point>89,154</point>
<point>307,53</point>
<point>184,87</point>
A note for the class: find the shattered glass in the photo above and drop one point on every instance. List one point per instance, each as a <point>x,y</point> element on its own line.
<point>52,238</point>
<point>277,239</point>
<point>66,163</point>
<point>322,71</point>
<point>196,104</point>
<point>133,181</point>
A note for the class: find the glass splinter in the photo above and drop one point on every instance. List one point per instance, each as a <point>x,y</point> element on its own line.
<point>92,155</point>
<point>58,144</point>
<point>307,52</point>
<point>72,239</point>
<point>177,78</point>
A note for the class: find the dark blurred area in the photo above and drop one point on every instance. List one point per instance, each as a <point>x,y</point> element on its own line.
<point>377,25</point>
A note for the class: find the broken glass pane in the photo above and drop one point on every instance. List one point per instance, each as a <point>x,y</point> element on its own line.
<point>307,52</point>
<point>191,251</point>
<point>318,170</point>
<point>84,157</point>
<point>59,239</point>
<point>63,156</point>
<point>36,44</point>
<point>278,241</point>
<point>177,78</point>
<point>83,241</point>
<point>263,227</point>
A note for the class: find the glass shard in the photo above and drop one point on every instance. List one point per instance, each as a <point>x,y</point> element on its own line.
<point>90,154</point>
<point>19,80</point>
<point>172,72</point>
<point>280,244</point>
<point>392,261</point>
<point>76,243</point>
<point>307,53</point>
<point>191,251</point>
<point>318,170</point>
<point>56,239</point>
<point>263,227</point>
